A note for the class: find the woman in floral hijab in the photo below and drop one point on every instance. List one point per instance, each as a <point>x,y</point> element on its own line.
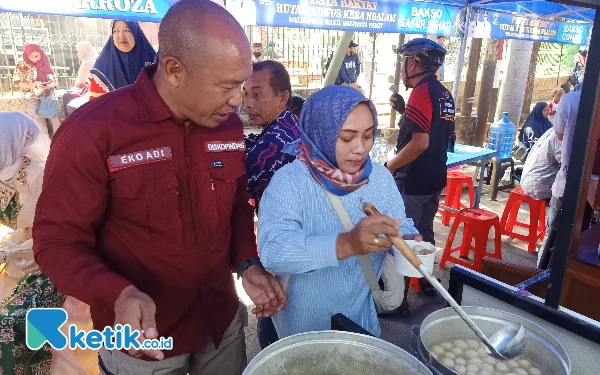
<point>301,238</point>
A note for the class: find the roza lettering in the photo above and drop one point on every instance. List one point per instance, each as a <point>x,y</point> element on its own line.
<point>133,6</point>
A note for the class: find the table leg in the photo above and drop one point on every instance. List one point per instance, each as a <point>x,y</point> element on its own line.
<point>480,184</point>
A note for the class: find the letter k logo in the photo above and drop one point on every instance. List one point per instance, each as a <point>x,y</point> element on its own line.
<point>43,326</point>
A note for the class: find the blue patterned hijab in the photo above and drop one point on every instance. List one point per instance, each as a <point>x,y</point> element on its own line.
<point>117,69</point>
<point>321,119</point>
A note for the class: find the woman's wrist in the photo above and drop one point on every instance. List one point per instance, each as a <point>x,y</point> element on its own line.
<point>343,246</point>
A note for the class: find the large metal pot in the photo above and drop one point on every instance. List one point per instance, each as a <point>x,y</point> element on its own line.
<point>334,353</point>
<point>445,324</point>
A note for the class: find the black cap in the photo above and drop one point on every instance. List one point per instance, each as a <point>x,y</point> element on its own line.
<point>352,44</point>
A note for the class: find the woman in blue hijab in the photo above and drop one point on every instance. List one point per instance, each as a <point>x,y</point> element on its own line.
<point>536,125</point>
<point>301,238</point>
<point>124,56</point>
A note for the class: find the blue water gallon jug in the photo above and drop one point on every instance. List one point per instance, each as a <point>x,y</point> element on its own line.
<point>502,135</point>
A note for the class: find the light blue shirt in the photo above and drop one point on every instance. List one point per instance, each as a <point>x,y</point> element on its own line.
<point>297,233</point>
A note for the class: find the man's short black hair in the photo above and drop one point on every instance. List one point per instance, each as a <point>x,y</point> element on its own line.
<point>280,78</point>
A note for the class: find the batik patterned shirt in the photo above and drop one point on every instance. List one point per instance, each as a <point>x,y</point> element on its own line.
<point>266,156</point>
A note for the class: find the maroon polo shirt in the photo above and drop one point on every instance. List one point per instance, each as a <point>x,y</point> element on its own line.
<point>133,197</point>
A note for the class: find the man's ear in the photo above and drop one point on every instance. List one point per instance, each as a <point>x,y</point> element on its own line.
<point>174,69</point>
<point>284,98</point>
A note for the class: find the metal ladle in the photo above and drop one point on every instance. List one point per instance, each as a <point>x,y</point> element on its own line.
<point>506,343</point>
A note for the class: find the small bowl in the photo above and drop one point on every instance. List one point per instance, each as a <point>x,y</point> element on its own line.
<point>404,267</point>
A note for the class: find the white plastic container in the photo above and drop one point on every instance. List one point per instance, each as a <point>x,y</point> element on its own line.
<point>404,267</point>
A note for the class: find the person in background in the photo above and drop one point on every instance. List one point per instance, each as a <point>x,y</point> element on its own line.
<point>579,61</point>
<point>535,126</point>
<point>419,167</point>
<point>87,55</point>
<point>442,41</point>
<point>267,97</point>
<point>541,166</point>
<point>35,77</point>
<point>296,105</point>
<point>123,57</point>
<point>23,154</point>
<point>564,125</point>
<point>557,94</point>
<point>257,52</point>
<point>302,239</point>
<point>153,243</point>
<point>350,69</point>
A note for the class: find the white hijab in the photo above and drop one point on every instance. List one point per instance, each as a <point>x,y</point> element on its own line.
<point>19,136</point>
<point>90,55</point>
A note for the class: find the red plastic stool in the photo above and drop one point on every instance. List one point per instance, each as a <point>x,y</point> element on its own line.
<point>414,282</point>
<point>454,186</point>
<point>477,223</point>
<point>537,218</point>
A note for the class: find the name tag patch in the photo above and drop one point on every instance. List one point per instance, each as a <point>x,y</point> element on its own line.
<point>217,164</point>
<point>139,157</point>
<point>216,146</point>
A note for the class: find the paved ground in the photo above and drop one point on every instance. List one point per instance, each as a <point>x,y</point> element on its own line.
<point>398,330</point>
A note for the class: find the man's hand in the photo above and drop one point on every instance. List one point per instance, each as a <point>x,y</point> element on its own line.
<point>138,310</point>
<point>366,238</point>
<point>397,103</point>
<point>264,290</point>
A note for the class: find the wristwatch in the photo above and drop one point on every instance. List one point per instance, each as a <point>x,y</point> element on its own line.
<point>244,266</point>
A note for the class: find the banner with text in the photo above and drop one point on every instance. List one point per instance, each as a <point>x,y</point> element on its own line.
<point>490,24</point>
<point>358,15</point>
<point>130,10</point>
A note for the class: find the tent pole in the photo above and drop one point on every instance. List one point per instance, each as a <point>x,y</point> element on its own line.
<point>396,85</point>
<point>461,60</point>
<point>338,58</point>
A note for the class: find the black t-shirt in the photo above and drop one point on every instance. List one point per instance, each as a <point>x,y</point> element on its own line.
<point>430,109</point>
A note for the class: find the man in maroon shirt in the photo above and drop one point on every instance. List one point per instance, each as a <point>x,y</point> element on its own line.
<point>145,213</point>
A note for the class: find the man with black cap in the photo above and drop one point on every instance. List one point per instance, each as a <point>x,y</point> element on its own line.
<point>350,69</point>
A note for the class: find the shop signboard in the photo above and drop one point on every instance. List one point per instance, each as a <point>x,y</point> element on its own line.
<point>130,10</point>
<point>359,15</point>
<point>486,23</point>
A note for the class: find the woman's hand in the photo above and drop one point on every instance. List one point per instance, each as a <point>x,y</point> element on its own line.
<point>366,238</point>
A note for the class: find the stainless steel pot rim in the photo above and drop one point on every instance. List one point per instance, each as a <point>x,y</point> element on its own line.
<point>484,312</point>
<point>336,337</point>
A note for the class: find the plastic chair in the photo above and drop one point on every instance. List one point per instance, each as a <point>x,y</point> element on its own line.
<point>536,229</point>
<point>414,282</point>
<point>477,224</point>
<point>454,186</point>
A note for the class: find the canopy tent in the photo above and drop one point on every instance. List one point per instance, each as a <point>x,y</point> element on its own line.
<point>532,8</point>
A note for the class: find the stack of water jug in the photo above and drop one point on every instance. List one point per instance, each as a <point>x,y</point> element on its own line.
<point>502,135</point>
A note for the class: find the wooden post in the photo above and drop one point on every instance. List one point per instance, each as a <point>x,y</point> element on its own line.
<point>530,81</point>
<point>485,90</point>
<point>471,82</point>
<point>396,86</point>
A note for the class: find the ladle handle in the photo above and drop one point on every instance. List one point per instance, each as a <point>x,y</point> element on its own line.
<point>410,255</point>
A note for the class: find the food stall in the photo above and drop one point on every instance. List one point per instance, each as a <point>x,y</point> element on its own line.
<point>571,340</point>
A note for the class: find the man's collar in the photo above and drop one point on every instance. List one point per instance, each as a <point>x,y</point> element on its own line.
<point>152,106</point>
<point>286,112</point>
<point>426,78</point>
